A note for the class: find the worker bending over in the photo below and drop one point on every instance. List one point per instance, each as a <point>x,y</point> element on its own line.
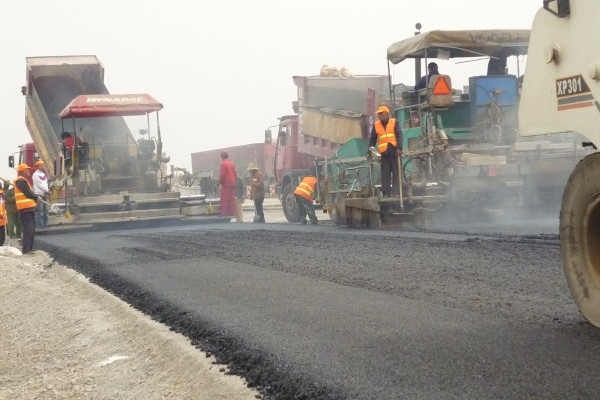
<point>304,193</point>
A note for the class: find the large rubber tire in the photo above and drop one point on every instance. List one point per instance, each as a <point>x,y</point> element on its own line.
<point>580,236</point>
<point>288,201</point>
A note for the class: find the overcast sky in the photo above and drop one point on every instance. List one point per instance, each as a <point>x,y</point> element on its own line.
<point>222,69</point>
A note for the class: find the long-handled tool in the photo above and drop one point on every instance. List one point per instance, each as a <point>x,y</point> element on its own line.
<point>56,209</point>
<point>400,182</point>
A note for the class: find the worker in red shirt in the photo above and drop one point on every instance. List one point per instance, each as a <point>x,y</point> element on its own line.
<point>69,147</point>
<point>227,177</point>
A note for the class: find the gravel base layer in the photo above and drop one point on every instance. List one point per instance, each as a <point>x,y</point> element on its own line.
<point>64,338</point>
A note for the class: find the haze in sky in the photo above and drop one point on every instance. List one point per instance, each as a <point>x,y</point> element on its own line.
<point>223,70</point>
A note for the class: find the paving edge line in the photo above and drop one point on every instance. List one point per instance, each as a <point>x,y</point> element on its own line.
<point>186,361</point>
<point>133,224</point>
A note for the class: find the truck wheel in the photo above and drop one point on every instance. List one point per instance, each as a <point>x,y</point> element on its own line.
<point>580,235</point>
<point>288,201</point>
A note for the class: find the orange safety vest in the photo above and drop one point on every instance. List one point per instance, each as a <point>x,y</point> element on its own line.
<point>306,188</point>
<point>3,215</point>
<point>385,136</point>
<point>21,201</point>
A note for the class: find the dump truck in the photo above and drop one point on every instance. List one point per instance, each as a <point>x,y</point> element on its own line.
<point>561,93</point>
<point>328,111</point>
<point>98,170</point>
<point>488,167</point>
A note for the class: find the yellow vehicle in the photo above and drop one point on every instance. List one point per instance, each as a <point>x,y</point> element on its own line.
<point>561,93</point>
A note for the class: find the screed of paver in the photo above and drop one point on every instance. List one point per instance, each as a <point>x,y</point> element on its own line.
<point>65,338</point>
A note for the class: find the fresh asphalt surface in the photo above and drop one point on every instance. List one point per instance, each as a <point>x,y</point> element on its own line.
<point>334,313</point>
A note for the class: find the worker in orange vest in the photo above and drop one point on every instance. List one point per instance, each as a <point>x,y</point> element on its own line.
<point>304,193</point>
<point>387,135</point>
<point>26,202</point>
<point>3,219</point>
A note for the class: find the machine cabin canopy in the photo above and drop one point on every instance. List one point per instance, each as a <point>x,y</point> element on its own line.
<point>449,44</point>
<point>110,105</point>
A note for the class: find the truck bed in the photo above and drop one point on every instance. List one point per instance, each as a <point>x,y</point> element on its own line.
<point>52,82</point>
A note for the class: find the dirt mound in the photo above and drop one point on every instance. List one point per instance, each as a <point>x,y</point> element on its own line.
<point>63,337</point>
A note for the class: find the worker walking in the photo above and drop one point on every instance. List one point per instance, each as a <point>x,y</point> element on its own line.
<point>257,192</point>
<point>227,177</point>
<point>3,219</point>
<point>304,193</point>
<point>40,188</point>
<point>240,196</point>
<point>387,136</point>
<point>14,220</point>
<point>25,200</point>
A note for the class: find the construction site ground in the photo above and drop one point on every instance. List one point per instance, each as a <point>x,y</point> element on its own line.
<point>66,338</point>
<point>294,312</point>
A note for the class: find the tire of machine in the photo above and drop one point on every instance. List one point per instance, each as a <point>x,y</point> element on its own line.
<point>288,201</point>
<point>338,211</point>
<point>373,219</point>
<point>580,235</point>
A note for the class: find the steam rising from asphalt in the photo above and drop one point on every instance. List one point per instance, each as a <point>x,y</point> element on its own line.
<point>532,208</point>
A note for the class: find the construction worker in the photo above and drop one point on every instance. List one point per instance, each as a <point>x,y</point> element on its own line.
<point>40,188</point>
<point>26,203</point>
<point>257,192</point>
<point>14,220</point>
<point>3,219</point>
<point>304,193</point>
<point>432,69</point>
<point>387,136</point>
<point>227,177</point>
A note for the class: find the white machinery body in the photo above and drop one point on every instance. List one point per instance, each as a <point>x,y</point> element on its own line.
<point>561,88</point>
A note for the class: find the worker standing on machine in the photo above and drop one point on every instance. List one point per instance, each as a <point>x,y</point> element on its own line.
<point>387,136</point>
<point>304,193</point>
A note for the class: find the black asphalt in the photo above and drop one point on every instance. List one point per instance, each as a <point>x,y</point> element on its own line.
<point>333,313</point>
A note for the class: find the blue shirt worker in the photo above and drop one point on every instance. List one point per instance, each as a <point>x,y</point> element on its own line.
<point>432,69</point>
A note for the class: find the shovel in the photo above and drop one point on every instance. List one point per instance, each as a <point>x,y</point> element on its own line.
<point>56,209</point>
<point>400,183</point>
